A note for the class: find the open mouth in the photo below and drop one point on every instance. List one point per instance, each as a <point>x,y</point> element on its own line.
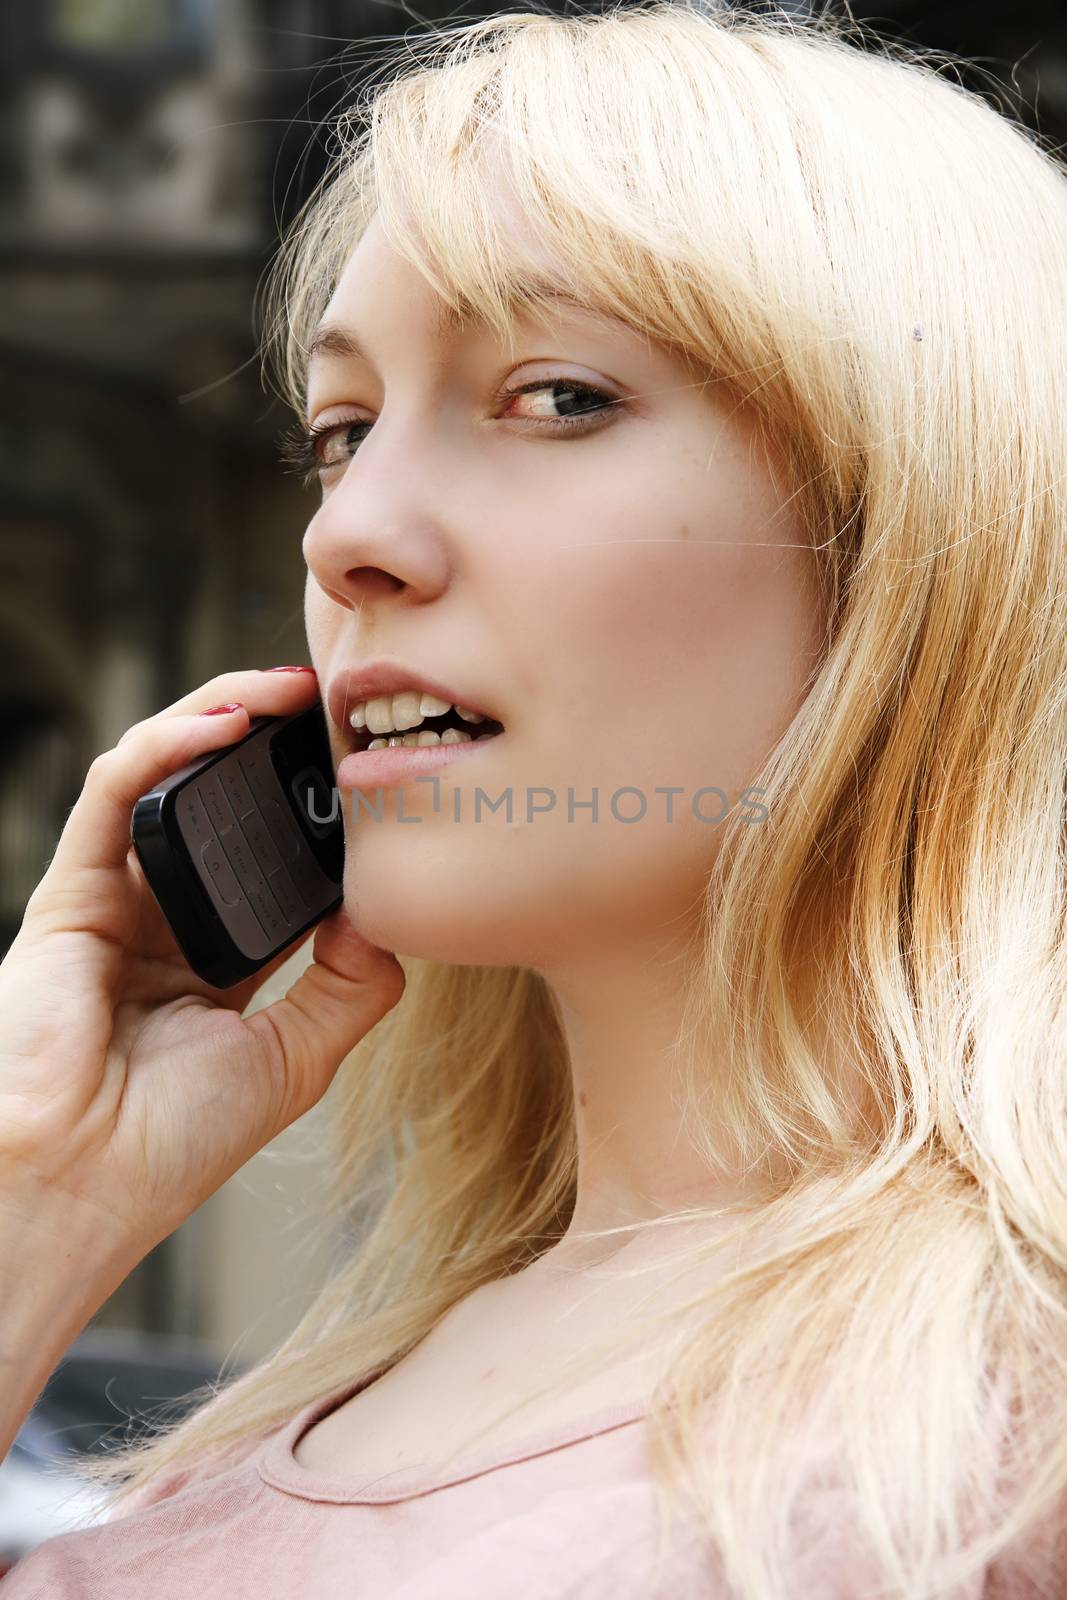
<point>428,733</point>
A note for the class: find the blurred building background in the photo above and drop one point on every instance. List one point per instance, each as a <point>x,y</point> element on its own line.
<point>150,151</point>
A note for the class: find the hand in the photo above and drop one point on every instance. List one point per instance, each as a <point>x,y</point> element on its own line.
<point>130,1090</point>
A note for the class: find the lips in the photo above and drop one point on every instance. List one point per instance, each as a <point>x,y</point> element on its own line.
<point>381,678</point>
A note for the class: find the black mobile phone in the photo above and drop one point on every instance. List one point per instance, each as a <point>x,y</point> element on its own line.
<point>244,847</point>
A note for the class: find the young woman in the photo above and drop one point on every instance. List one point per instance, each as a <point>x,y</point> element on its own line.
<point>685,394</point>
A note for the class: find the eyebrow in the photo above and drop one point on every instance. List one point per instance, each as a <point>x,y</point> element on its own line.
<point>336,340</point>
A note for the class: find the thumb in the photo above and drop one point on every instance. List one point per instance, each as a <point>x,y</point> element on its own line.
<point>348,987</point>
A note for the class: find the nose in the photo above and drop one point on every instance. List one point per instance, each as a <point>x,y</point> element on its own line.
<point>374,537</point>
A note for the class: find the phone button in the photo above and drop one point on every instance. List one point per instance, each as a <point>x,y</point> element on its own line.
<point>285,893</point>
<point>251,880</point>
<point>313,796</point>
<point>285,833</point>
<point>265,906</point>
<point>193,819</point>
<point>236,789</point>
<point>263,846</point>
<point>261,777</point>
<point>220,872</point>
<point>218,807</point>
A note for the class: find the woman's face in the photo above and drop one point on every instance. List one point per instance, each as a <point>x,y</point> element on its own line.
<point>632,597</point>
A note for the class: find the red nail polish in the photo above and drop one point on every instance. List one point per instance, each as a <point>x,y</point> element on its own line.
<point>288,669</point>
<point>213,711</point>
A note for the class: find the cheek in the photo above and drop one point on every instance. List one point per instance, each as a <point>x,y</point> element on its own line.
<point>656,564</point>
<point>657,620</point>
<point>674,661</point>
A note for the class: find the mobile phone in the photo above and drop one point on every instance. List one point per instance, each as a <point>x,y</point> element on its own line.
<point>243,848</point>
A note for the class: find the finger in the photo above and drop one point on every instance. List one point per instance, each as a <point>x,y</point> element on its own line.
<point>348,987</point>
<point>283,686</point>
<point>97,831</point>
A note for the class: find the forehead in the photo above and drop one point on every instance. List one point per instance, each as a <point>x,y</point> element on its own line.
<point>374,266</point>
<point>335,339</point>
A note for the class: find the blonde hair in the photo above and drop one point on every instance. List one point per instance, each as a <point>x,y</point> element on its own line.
<point>875,259</point>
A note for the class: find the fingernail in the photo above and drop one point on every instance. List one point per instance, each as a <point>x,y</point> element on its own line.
<point>288,669</point>
<point>214,711</point>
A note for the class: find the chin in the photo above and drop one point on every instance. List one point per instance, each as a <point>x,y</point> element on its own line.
<point>431,919</point>
<point>460,896</point>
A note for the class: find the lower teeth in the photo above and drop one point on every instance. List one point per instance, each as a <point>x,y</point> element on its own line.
<point>428,736</point>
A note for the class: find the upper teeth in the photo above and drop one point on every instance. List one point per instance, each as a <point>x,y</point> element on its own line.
<point>389,713</point>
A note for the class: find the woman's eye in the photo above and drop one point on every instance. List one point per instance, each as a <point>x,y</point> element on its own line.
<point>575,400</point>
<point>334,439</point>
<point>312,452</point>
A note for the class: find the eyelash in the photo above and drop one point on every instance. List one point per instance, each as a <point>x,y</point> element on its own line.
<point>298,449</point>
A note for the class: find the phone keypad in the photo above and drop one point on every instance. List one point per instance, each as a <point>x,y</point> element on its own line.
<point>255,860</point>
<point>216,804</point>
<point>220,872</point>
<point>258,835</point>
<point>285,892</point>
<point>196,823</point>
<point>235,788</point>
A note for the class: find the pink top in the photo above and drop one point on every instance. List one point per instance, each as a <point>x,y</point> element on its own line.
<point>568,1515</point>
